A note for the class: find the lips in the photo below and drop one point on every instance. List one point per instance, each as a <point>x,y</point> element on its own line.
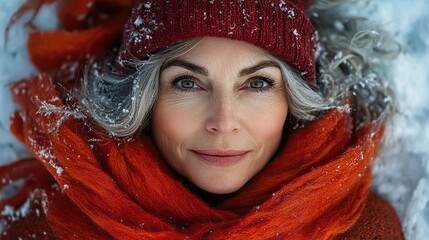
<point>221,158</point>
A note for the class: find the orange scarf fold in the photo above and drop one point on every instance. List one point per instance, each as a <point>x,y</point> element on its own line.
<point>89,28</point>
<point>87,186</point>
<point>315,188</point>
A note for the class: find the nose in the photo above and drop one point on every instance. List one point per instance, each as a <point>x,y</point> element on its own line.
<point>222,117</point>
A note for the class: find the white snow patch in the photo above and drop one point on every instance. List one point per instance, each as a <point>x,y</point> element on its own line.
<point>148,5</point>
<point>14,215</point>
<point>138,21</point>
<point>295,32</point>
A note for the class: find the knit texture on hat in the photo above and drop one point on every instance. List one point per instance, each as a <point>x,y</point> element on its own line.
<point>280,27</point>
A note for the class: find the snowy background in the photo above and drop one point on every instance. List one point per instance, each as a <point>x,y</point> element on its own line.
<point>401,174</point>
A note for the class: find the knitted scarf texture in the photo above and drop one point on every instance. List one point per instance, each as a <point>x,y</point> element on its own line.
<point>81,185</point>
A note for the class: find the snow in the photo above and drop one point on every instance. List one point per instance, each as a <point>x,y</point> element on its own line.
<point>16,214</point>
<point>401,173</point>
<point>15,64</point>
<point>148,5</point>
<point>138,21</point>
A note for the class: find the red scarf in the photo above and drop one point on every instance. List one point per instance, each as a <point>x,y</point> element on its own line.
<point>99,188</point>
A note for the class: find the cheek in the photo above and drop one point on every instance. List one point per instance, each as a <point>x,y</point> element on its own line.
<point>265,119</point>
<point>270,124</point>
<point>174,122</point>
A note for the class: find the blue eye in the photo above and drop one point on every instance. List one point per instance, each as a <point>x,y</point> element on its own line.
<point>260,84</point>
<point>187,84</point>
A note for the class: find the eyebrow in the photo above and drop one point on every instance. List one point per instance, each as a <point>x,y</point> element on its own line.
<point>187,65</point>
<point>203,71</point>
<point>257,67</point>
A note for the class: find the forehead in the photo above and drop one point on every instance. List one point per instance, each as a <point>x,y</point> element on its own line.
<point>226,51</point>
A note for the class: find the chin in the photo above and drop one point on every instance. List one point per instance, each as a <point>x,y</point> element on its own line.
<point>220,186</point>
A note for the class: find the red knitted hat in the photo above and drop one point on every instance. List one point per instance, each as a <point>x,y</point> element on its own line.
<point>281,27</point>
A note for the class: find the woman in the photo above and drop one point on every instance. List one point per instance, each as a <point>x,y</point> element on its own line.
<point>212,123</point>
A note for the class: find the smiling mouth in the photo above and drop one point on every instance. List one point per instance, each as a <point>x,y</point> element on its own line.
<point>220,158</point>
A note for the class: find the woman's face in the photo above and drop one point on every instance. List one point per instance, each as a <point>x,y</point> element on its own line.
<point>220,113</point>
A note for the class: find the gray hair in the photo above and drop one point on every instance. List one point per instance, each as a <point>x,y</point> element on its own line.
<point>121,104</point>
<point>349,61</point>
<point>352,58</point>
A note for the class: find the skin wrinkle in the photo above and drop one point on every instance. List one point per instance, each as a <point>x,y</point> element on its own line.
<point>303,103</point>
<point>195,68</point>
<point>222,113</point>
<point>176,212</point>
